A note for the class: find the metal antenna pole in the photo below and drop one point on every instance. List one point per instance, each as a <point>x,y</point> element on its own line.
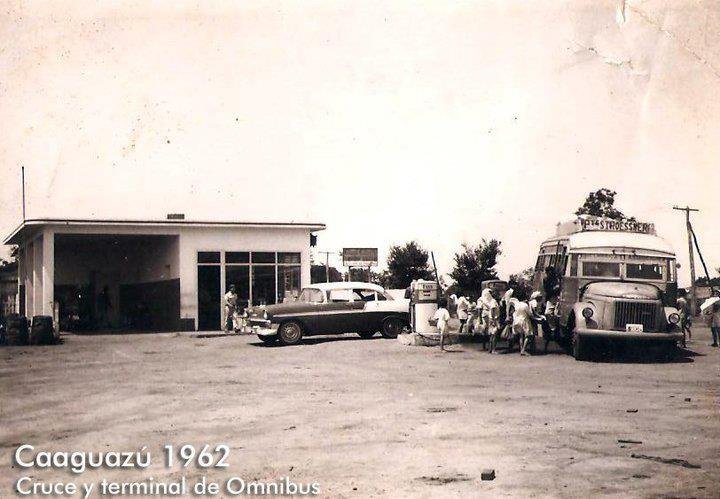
<point>693,296</point>
<point>22,170</point>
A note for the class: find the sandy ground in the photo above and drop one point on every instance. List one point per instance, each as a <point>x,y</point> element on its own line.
<point>370,417</point>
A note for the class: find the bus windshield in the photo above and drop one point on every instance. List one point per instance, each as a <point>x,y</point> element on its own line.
<point>653,271</point>
<point>650,270</point>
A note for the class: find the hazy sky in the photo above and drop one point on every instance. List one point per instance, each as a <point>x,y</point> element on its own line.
<point>445,122</point>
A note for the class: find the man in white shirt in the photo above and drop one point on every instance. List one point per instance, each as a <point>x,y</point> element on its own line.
<point>230,302</point>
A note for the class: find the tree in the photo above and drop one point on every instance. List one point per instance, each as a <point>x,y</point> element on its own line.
<point>317,274</point>
<point>13,259</point>
<point>474,265</point>
<point>406,264</point>
<point>522,284</point>
<point>601,203</point>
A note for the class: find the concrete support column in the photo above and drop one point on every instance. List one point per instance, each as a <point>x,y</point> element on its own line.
<point>48,273</point>
<point>29,291</point>
<point>37,277</point>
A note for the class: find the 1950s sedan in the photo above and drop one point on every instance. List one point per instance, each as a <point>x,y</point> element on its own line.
<point>331,308</point>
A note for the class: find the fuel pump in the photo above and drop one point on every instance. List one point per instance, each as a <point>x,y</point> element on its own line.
<point>424,303</point>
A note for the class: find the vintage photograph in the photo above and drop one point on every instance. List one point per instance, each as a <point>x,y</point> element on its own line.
<point>352,249</point>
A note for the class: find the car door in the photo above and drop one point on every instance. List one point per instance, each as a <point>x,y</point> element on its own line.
<point>334,315</point>
<point>365,308</point>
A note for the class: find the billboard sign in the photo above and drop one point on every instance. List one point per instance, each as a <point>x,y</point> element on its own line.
<point>360,257</point>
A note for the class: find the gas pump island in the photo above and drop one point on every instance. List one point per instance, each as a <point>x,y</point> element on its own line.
<point>424,306</point>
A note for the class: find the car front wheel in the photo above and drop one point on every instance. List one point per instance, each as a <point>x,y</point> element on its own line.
<point>392,326</point>
<point>290,333</point>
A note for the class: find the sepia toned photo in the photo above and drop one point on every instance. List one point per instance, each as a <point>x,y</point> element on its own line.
<point>360,249</point>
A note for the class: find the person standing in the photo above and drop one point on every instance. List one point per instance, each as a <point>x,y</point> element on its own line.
<point>685,319</point>
<point>488,316</point>
<point>230,302</point>
<point>538,317</point>
<point>522,323</point>
<point>441,319</point>
<point>410,296</point>
<point>462,312</point>
<point>504,321</point>
<point>715,324</point>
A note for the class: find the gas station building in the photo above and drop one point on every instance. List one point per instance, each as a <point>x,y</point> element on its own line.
<point>155,274</point>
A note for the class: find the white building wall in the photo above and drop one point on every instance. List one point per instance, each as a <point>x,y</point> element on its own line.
<point>193,240</point>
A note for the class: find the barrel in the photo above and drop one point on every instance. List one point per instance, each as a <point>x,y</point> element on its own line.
<point>16,330</point>
<point>41,332</point>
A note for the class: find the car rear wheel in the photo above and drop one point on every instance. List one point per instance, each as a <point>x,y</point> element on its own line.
<point>268,340</point>
<point>392,326</point>
<point>366,335</point>
<point>290,333</point>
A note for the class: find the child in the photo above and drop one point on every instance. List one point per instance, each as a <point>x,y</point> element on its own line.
<point>442,318</point>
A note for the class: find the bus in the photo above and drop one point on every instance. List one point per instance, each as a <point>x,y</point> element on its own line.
<point>618,281</point>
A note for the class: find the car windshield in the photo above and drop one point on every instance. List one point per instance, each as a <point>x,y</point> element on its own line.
<point>311,295</point>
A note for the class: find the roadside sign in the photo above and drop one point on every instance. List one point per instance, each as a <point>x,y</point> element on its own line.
<point>360,257</point>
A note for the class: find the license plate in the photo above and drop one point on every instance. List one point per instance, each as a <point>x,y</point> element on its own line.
<point>634,328</point>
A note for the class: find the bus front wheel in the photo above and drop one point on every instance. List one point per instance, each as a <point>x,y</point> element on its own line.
<point>579,347</point>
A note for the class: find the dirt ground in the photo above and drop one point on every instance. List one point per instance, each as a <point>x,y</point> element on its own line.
<point>371,417</point>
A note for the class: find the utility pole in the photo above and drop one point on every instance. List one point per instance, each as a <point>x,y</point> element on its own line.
<point>327,263</point>
<point>693,297</point>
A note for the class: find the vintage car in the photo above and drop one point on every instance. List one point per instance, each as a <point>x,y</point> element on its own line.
<point>331,308</point>
<point>617,281</point>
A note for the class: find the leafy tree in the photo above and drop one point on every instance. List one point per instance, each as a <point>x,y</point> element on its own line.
<point>601,203</point>
<point>405,264</point>
<point>522,284</point>
<point>317,274</point>
<point>474,265</point>
<point>13,258</point>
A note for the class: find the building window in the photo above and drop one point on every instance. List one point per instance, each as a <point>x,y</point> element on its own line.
<point>289,258</point>
<point>263,257</point>
<point>237,257</point>
<point>208,257</point>
<point>259,277</point>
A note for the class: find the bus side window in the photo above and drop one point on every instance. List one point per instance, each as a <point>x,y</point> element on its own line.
<point>573,265</point>
<point>538,264</point>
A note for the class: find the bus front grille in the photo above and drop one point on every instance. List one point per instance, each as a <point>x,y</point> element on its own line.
<point>630,312</point>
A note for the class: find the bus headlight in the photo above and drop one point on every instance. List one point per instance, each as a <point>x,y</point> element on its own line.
<point>674,318</point>
<point>587,312</point>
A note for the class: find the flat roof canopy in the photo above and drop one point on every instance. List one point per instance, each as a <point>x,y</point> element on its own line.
<point>22,230</point>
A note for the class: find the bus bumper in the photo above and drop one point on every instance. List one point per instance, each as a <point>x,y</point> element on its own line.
<point>628,335</point>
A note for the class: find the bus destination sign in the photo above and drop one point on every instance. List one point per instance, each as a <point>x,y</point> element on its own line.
<point>605,224</point>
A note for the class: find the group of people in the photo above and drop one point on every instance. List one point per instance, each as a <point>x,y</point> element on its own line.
<point>495,317</point>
